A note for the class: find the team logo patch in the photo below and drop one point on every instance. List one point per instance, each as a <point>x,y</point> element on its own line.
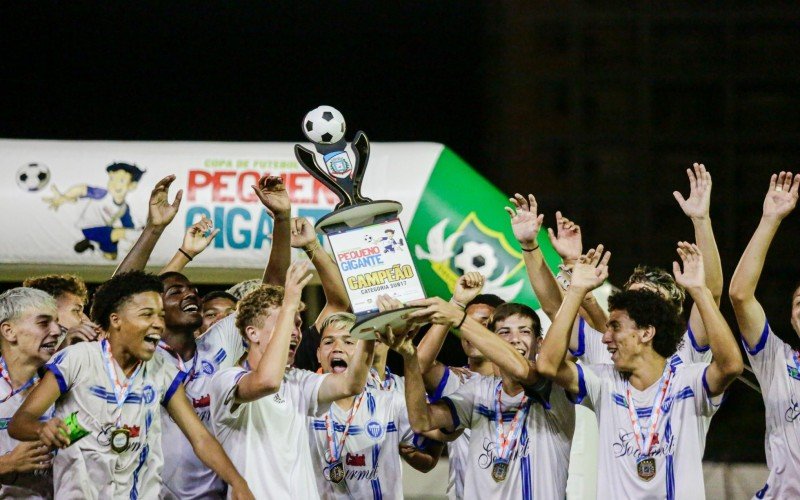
<point>207,367</point>
<point>148,394</point>
<point>374,429</point>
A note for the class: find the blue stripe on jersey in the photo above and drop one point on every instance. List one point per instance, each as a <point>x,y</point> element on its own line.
<point>437,394</point>
<point>525,466</point>
<point>391,427</point>
<point>62,383</point>
<point>376,483</point>
<point>762,341</point>
<point>220,356</point>
<point>110,397</point>
<point>670,477</point>
<point>371,403</point>
<point>179,378</point>
<point>489,413</point>
<point>581,339</point>
<point>578,398</point>
<point>695,346</point>
<point>142,459</point>
<point>645,412</point>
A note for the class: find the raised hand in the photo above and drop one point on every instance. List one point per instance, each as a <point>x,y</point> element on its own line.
<point>30,456</point>
<point>567,240</point>
<point>693,276</point>
<point>389,303</point>
<point>273,195</point>
<point>436,311</point>
<point>468,287</point>
<point>591,270</point>
<point>56,199</point>
<point>297,277</point>
<point>303,233</point>
<point>525,222</point>
<point>698,204</point>
<point>402,344</point>
<point>86,331</point>
<point>161,211</point>
<point>782,195</point>
<point>199,236</point>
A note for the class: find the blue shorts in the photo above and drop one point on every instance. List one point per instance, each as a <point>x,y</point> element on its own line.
<point>102,236</point>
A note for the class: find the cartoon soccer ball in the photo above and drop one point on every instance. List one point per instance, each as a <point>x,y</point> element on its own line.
<point>478,257</point>
<point>33,176</point>
<point>324,125</point>
<point>368,238</point>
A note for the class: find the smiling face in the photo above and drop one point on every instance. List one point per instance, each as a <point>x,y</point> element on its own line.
<point>214,310</point>
<point>34,333</point>
<point>518,330</point>
<point>70,310</point>
<point>137,325</point>
<point>181,304</point>
<point>480,313</point>
<point>261,332</point>
<point>335,349</point>
<point>624,340</point>
<point>120,183</point>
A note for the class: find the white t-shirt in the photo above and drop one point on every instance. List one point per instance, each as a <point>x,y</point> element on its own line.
<point>89,468</point>
<point>680,435</point>
<point>458,450</point>
<point>539,463</point>
<point>591,349</point>
<point>773,362</point>
<point>185,476</point>
<point>27,485</point>
<point>267,440</point>
<point>370,457</point>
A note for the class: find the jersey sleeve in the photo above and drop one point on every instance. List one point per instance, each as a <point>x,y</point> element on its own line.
<point>225,333</point>
<point>591,349</point>
<point>705,404</point>
<point>95,193</point>
<point>71,365</point>
<point>224,409</point>
<point>449,384</point>
<point>764,356</point>
<point>170,378</point>
<point>690,352</point>
<point>462,403</point>
<point>590,384</point>
<point>304,387</point>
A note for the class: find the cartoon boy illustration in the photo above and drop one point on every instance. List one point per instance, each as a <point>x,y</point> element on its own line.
<point>389,242</point>
<point>106,216</point>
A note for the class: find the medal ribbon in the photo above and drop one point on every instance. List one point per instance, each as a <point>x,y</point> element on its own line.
<point>181,365</point>
<point>645,441</point>
<point>507,442</point>
<point>7,377</point>
<point>375,380</point>
<point>121,389</point>
<point>335,446</point>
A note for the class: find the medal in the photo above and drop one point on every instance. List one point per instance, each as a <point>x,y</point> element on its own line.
<point>646,468</point>
<point>120,439</point>
<point>645,464</point>
<point>500,470</point>
<point>334,472</point>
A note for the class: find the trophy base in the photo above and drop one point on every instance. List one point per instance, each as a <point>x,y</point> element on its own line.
<point>365,328</point>
<point>358,215</point>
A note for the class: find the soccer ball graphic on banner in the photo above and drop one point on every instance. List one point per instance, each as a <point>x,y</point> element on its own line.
<point>33,176</point>
<point>478,257</point>
<point>324,125</point>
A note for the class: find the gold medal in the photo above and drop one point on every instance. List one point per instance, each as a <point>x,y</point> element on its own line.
<point>334,472</point>
<point>499,471</point>
<point>120,439</point>
<point>646,468</point>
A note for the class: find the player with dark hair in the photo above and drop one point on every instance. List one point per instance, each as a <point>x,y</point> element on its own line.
<point>114,390</point>
<point>775,363</point>
<point>71,298</point>
<point>216,306</point>
<point>28,338</point>
<point>652,413</point>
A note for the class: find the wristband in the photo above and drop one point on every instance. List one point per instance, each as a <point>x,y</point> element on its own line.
<point>181,250</point>
<point>311,249</point>
<point>535,247</point>
<point>463,318</point>
<point>457,303</point>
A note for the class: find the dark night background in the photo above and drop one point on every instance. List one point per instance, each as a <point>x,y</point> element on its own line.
<point>597,107</point>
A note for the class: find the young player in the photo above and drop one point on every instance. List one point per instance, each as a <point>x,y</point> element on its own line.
<point>260,409</point>
<point>28,337</point>
<point>652,415</point>
<point>113,389</point>
<point>775,363</point>
<point>71,298</point>
<point>216,306</point>
<point>354,443</point>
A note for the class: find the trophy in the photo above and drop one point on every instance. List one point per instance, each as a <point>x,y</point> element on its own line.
<point>367,239</point>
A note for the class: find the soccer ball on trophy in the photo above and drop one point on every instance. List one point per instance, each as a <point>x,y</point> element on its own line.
<point>33,176</point>
<point>324,125</point>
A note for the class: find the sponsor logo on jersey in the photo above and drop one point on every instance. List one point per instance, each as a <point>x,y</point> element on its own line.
<point>202,401</point>
<point>356,460</point>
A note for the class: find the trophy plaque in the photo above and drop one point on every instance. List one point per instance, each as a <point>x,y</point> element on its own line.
<point>368,241</point>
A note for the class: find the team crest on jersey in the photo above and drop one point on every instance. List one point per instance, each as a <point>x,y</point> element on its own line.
<point>374,429</point>
<point>207,367</point>
<point>148,394</point>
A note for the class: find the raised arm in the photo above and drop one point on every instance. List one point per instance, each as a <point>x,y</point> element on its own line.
<point>57,198</point>
<point>588,273</point>
<point>26,426</point>
<point>352,380</point>
<point>779,202</point>
<point>726,363</point>
<point>698,208</point>
<point>197,238</point>
<point>336,299</point>
<point>160,214</point>
<point>268,375</point>
<point>273,195</point>
<point>205,446</point>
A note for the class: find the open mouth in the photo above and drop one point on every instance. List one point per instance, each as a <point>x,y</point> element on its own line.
<point>521,351</point>
<point>153,338</point>
<point>190,308</point>
<point>338,365</point>
<point>50,346</point>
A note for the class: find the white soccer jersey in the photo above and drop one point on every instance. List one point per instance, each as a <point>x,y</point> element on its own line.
<point>775,365</point>
<point>680,436</point>
<point>390,382</point>
<point>370,455</point>
<point>267,440</point>
<point>591,349</point>
<point>538,464</point>
<point>185,476</point>
<point>101,210</point>
<point>458,450</point>
<point>89,468</point>
<point>27,485</point>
